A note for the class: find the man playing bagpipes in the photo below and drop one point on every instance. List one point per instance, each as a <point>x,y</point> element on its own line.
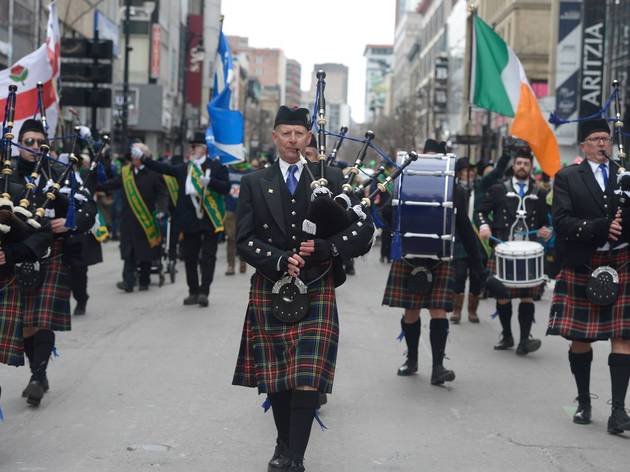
<point>199,214</point>
<point>291,362</point>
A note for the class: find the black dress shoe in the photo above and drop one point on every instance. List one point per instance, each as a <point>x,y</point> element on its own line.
<point>410,367</point>
<point>280,461</point>
<point>441,374</point>
<point>34,392</point>
<point>297,465</point>
<point>124,286</point>
<point>527,346</point>
<point>618,422</point>
<point>583,413</point>
<point>79,309</point>
<point>143,288</point>
<point>202,300</point>
<point>44,384</point>
<point>506,342</point>
<point>191,300</point>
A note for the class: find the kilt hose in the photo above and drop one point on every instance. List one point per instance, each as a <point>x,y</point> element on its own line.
<point>439,297</point>
<point>276,356</point>
<point>512,292</point>
<point>48,306</point>
<point>575,318</point>
<point>11,339</point>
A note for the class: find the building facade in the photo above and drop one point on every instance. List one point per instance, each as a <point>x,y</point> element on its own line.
<point>378,66</point>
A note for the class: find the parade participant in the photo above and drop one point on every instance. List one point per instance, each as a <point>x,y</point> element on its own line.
<point>310,151</point>
<point>503,208</point>
<point>592,232</point>
<point>199,214</point>
<point>464,177</point>
<point>291,363</point>
<point>46,308</point>
<point>439,300</point>
<point>236,174</point>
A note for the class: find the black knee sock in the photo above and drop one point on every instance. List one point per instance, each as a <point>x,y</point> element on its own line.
<point>43,343</point>
<point>28,350</point>
<point>412,337</point>
<point>281,407</point>
<point>505,316</point>
<point>619,375</point>
<point>438,334</point>
<point>580,363</point>
<point>526,319</point>
<point>303,406</point>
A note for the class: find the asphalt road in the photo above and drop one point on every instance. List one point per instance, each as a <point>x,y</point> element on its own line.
<point>144,384</point>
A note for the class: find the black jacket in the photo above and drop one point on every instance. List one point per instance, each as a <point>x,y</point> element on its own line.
<point>582,213</point>
<point>269,223</point>
<point>185,218</point>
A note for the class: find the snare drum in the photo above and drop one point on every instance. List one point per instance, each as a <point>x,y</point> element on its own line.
<point>520,264</point>
<point>424,216</point>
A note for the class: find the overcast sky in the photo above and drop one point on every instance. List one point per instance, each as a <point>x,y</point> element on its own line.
<point>294,25</point>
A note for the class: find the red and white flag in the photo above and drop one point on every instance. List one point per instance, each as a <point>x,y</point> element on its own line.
<point>42,65</point>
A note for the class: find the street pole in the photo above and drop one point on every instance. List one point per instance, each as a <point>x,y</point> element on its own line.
<point>184,123</point>
<point>10,55</point>
<point>125,107</point>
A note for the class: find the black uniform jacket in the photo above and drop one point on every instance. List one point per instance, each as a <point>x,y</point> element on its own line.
<point>185,217</point>
<point>582,213</point>
<point>503,209</point>
<point>269,223</point>
<point>133,239</point>
<point>464,231</point>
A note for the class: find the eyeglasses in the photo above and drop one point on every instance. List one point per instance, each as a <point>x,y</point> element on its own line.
<point>598,139</point>
<point>31,141</point>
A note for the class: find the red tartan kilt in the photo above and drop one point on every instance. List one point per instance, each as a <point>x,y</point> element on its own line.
<point>440,296</point>
<point>276,356</point>
<point>528,292</point>
<point>574,317</point>
<point>11,338</point>
<point>48,306</point>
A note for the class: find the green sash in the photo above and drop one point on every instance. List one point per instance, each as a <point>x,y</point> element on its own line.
<point>172,186</point>
<point>213,203</point>
<point>138,207</point>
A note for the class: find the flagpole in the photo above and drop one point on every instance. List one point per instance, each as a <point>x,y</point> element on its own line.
<point>473,12</point>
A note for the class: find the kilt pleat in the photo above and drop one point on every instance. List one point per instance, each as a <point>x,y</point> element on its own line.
<point>11,338</point>
<point>439,297</point>
<point>575,318</point>
<point>512,292</point>
<point>48,306</point>
<point>276,356</point>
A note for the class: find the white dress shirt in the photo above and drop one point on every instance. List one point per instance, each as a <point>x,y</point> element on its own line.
<point>599,176</point>
<point>284,168</point>
<point>515,183</point>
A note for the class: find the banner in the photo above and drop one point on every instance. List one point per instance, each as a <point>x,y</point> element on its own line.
<point>592,67</point>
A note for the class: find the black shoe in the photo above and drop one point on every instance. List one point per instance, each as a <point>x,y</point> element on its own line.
<point>527,346</point>
<point>619,421</point>
<point>297,465</point>
<point>44,384</point>
<point>583,413</point>
<point>410,367</point>
<point>79,309</point>
<point>124,286</point>
<point>34,392</point>
<point>441,374</point>
<point>143,288</point>
<point>280,461</point>
<point>191,300</point>
<point>350,271</point>
<point>202,300</point>
<point>506,342</point>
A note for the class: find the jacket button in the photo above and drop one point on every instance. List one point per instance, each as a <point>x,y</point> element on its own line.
<point>293,213</point>
<point>293,200</point>
<point>293,237</point>
<point>265,226</point>
<point>292,225</point>
<point>270,240</point>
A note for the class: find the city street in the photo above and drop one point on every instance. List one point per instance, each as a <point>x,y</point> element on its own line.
<point>144,383</point>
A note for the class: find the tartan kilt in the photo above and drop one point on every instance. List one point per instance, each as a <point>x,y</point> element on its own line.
<point>513,292</point>
<point>48,306</point>
<point>11,338</point>
<point>577,319</point>
<point>440,296</point>
<point>276,356</point>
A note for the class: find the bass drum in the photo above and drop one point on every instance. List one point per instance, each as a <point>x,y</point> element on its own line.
<point>424,214</point>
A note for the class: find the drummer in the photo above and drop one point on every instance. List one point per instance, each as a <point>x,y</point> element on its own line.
<point>496,216</point>
<point>436,295</point>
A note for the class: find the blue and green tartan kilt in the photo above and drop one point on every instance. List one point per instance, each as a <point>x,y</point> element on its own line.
<point>439,297</point>
<point>48,306</point>
<point>11,338</point>
<point>276,356</point>
<point>518,292</point>
<point>575,318</point>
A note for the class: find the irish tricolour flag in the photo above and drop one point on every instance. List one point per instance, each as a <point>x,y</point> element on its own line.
<point>499,84</point>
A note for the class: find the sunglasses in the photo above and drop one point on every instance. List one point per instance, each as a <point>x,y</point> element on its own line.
<point>31,141</point>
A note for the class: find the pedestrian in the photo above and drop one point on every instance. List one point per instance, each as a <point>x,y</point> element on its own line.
<point>592,236</point>
<point>199,213</point>
<point>291,362</point>
<point>497,216</point>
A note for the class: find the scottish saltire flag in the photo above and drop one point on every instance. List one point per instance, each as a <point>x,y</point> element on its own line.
<point>224,136</point>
